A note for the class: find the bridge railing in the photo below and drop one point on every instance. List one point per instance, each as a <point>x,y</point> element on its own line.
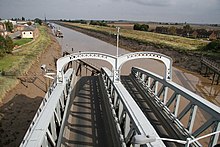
<point>131,124</point>
<point>194,115</point>
<point>211,64</point>
<point>46,125</point>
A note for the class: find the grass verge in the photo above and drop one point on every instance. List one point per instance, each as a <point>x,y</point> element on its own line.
<point>22,41</point>
<point>19,63</point>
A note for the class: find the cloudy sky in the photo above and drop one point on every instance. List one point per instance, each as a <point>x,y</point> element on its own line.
<point>193,11</point>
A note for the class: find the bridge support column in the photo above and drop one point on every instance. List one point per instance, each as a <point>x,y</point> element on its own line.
<point>176,105</point>
<point>214,138</point>
<point>156,88</point>
<point>165,95</point>
<point>148,82</point>
<point>192,118</point>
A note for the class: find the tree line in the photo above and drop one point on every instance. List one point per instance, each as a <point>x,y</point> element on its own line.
<point>91,22</point>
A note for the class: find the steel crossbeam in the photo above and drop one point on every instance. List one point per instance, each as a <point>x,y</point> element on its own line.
<point>43,129</point>
<point>189,110</point>
<point>115,61</point>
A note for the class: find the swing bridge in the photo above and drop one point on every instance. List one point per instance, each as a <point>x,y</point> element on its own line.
<point>107,108</point>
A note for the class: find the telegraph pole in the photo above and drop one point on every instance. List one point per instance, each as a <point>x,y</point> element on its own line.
<point>117,39</point>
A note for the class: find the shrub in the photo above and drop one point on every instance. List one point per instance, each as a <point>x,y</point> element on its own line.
<point>9,26</point>
<point>9,45</point>
<point>100,23</point>
<point>37,20</point>
<point>6,45</point>
<point>140,27</point>
<point>2,46</point>
<point>213,46</point>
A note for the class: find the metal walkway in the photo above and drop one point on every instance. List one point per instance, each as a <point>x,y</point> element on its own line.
<point>84,123</point>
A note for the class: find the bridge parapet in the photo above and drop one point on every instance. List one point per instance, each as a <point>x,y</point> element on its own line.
<point>46,126</point>
<point>188,113</point>
<point>131,124</point>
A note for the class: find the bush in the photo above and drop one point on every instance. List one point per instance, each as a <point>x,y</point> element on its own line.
<point>213,46</point>
<point>9,26</point>
<point>99,23</point>
<point>140,27</point>
<point>9,45</point>
<point>37,20</point>
<point>6,45</point>
<point>2,46</point>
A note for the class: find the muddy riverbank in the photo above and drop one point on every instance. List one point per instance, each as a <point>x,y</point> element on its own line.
<point>181,59</point>
<point>20,104</point>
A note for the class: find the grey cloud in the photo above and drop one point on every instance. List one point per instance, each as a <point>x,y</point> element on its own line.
<point>152,2</point>
<point>144,10</point>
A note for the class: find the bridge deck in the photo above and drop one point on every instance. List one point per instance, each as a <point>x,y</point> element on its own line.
<point>84,124</point>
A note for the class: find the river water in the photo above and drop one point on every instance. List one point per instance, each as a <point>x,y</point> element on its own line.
<point>74,41</point>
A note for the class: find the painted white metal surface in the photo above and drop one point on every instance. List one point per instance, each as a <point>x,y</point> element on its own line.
<point>129,107</point>
<point>61,62</point>
<point>148,55</point>
<point>128,111</point>
<point>35,137</point>
<point>115,61</point>
<point>195,102</point>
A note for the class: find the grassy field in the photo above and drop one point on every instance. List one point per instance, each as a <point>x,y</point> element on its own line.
<point>22,41</point>
<point>20,62</point>
<point>154,39</point>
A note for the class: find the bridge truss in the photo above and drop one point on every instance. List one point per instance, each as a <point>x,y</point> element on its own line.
<point>129,122</point>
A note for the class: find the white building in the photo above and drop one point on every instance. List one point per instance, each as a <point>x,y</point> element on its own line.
<point>27,32</point>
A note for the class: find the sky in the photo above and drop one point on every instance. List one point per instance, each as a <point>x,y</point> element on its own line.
<point>190,11</point>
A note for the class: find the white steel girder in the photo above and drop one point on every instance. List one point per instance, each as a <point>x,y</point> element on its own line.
<point>116,62</point>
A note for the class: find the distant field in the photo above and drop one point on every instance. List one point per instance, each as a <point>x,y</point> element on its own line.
<point>122,25</point>
<point>129,25</point>
<point>154,39</point>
